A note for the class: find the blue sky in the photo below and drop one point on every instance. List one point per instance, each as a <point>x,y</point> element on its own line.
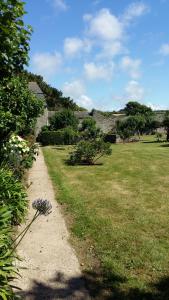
<point>102,53</point>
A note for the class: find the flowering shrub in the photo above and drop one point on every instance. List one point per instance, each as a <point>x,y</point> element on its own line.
<point>18,154</point>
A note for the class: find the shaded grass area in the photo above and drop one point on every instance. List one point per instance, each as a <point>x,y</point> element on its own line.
<point>120,213</point>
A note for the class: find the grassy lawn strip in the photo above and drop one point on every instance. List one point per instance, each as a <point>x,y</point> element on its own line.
<point>122,208</point>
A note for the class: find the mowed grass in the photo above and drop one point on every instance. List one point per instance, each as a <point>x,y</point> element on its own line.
<point>121,210</point>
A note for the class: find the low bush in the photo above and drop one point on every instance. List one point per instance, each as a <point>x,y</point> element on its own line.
<point>13,196</point>
<point>88,152</point>
<point>7,271</point>
<point>66,136</point>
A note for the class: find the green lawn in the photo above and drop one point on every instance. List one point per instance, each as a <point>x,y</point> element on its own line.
<point>120,216</point>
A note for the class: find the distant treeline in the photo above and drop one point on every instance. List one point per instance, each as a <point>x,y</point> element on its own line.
<point>54,97</point>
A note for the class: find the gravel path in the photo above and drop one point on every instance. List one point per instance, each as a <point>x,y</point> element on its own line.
<point>49,268</point>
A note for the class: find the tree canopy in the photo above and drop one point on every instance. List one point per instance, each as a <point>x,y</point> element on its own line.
<point>14,37</point>
<point>134,108</point>
<point>54,97</point>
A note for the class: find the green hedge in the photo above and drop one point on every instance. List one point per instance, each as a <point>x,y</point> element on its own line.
<point>66,136</point>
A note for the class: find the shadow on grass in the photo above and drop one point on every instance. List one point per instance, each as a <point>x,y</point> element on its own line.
<point>92,285</point>
<point>153,142</point>
<point>164,145</point>
<point>69,163</point>
<point>58,148</point>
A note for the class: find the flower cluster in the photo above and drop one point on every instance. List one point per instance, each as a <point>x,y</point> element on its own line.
<point>16,145</point>
<point>43,206</point>
<point>19,154</point>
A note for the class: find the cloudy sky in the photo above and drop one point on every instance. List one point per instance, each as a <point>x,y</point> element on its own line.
<point>102,53</point>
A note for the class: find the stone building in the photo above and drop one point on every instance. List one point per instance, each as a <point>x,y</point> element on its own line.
<point>43,119</point>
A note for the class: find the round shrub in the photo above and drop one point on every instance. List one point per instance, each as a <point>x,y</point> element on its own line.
<point>88,152</point>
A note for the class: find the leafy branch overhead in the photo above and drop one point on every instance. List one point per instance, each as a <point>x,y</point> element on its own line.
<point>14,38</point>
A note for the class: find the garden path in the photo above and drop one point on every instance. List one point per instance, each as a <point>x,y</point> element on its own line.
<point>49,268</point>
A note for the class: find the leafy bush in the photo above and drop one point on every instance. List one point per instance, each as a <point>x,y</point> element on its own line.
<point>6,259</point>
<point>63,119</point>
<point>66,136</point>
<point>125,130</point>
<point>88,123</point>
<point>88,152</point>
<point>45,128</point>
<point>19,108</point>
<point>88,129</point>
<point>13,196</point>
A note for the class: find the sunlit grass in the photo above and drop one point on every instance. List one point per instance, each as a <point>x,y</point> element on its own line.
<point>122,207</point>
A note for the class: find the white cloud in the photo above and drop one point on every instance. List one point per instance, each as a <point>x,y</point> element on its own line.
<point>98,71</point>
<point>85,101</point>
<point>76,90</point>
<point>134,91</point>
<point>131,66</point>
<point>46,64</point>
<point>73,46</point>
<point>104,25</point>
<point>164,50</point>
<point>111,49</point>
<point>156,106</point>
<point>60,5</point>
<point>135,10</point>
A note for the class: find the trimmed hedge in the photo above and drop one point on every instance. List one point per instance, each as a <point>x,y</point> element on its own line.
<point>66,136</point>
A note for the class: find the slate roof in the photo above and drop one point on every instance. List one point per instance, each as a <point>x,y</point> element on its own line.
<point>34,88</point>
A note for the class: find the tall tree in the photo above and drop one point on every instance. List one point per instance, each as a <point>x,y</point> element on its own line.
<point>14,38</point>
<point>133,108</point>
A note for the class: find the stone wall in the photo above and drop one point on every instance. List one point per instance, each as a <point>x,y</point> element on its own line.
<point>41,121</point>
<point>106,124</point>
